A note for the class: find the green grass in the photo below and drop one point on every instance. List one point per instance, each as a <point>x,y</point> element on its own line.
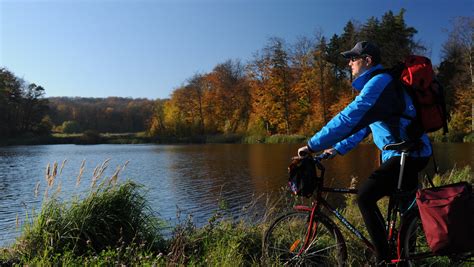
<point>274,139</point>
<point>111,216</point>
<point>285,139</point>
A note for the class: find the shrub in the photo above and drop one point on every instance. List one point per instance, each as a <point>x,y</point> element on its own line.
<point>109,217</point>
<point>469,138</point>
<point>71,127</point>
<point>254,139</point>
<point>219,243</point>
<point>285,139</point>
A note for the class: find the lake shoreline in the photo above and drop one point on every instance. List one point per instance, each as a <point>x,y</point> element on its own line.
<point>142,138</point>
<point>93,138</point>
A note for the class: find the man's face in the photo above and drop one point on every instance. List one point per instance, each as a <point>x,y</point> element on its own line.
<point>359,65</point>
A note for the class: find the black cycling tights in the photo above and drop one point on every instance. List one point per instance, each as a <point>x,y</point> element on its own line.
<point>383,182</point>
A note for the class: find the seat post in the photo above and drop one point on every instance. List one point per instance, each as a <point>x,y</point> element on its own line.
<point>402,167</point>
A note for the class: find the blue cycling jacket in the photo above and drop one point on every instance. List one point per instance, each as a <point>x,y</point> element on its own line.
<point>377,110</point>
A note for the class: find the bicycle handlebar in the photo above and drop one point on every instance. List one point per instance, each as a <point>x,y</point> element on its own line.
<point>321,157</point>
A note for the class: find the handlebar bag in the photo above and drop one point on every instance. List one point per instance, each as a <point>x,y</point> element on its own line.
<point>302,176</point>
<point>447,215</point>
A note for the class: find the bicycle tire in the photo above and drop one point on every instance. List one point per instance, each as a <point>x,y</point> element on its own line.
<point>414,247</point>
<point>285,237</point>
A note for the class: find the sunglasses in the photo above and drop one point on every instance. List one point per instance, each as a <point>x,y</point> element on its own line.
<point>355,58</point>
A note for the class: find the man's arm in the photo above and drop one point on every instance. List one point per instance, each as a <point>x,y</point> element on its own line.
<point>349,143</point>
<point>359,114</point>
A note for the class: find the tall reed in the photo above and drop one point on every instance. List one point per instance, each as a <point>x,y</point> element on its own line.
<point>112,215</point>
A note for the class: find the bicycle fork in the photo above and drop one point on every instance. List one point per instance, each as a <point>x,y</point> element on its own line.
<point>311,232</point>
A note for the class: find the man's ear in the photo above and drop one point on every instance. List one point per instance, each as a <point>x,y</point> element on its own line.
<point>369,61</point>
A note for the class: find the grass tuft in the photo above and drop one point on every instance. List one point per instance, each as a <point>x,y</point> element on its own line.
<point>111,216</point>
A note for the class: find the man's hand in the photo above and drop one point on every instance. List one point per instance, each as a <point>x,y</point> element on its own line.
<point>304,151</point>
<point>331,152</point>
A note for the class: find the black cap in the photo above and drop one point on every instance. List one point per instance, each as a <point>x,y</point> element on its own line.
<point>363,48</point>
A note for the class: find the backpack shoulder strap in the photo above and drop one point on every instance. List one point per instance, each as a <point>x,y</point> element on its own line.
<point>379,71</point>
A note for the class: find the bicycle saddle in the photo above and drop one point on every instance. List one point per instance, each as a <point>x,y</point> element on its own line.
<point>404,146</point>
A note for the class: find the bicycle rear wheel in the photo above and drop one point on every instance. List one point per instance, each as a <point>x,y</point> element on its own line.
<point>414,246</point>
<point>284,240</point>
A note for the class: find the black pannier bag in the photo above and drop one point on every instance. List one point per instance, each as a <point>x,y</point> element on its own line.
<point>302,180</point>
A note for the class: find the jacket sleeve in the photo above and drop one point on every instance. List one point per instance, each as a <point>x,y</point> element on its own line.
<point>359,114</point>
<point>350,142</point>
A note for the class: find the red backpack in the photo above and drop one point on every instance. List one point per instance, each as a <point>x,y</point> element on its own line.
<point>415,75</point>
<point>418,78</point>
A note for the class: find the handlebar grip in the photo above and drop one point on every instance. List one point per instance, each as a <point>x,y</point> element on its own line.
<point>322,156</point>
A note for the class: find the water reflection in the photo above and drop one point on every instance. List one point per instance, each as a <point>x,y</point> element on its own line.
<point>191,178</point>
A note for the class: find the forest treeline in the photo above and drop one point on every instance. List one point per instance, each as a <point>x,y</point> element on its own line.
<point>105,115</point>
<point>283,89</point>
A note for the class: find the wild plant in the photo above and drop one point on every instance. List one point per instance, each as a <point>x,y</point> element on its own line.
<point>111,215</point>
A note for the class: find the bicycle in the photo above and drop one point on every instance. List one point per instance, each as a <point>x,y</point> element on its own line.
<point>297,238</point>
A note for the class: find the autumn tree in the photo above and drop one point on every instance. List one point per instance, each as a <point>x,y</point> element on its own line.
<point>227,99</point>
<point>157,122</point>
<point>273,99</point>
<point>305,81</point>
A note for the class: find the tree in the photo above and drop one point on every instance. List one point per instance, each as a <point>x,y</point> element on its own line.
<point>111,114</point>
<point>22,106</point>
<point>273,99</point>
<point>227,99</point>
<point>34,107</point>
<point>10,96</point>
<point>321,63</point>
<point>456,70</point>
<point>196,88</point>
<point>393,36</point>
<point>305,82</point>
<point>157,123</point>
<point>348,39</point>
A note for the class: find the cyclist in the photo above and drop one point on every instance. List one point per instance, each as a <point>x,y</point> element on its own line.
<point>378,110</point>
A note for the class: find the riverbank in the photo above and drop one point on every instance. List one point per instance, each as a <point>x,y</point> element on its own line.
<point>91,137</point>
<point>88,137</point>
<point>114,225</point>
<point>143,138</point>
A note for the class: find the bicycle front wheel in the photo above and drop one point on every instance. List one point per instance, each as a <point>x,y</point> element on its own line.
<point>285,240</point>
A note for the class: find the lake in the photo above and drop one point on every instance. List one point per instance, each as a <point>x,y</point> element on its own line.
<point>191,179</point>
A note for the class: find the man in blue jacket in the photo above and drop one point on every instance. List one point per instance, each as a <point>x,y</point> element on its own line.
<point>380,109</point>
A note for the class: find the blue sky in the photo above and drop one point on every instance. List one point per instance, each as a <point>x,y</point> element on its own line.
<point>147,48</point>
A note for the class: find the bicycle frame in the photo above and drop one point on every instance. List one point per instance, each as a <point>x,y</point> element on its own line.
<point>319,202</point>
